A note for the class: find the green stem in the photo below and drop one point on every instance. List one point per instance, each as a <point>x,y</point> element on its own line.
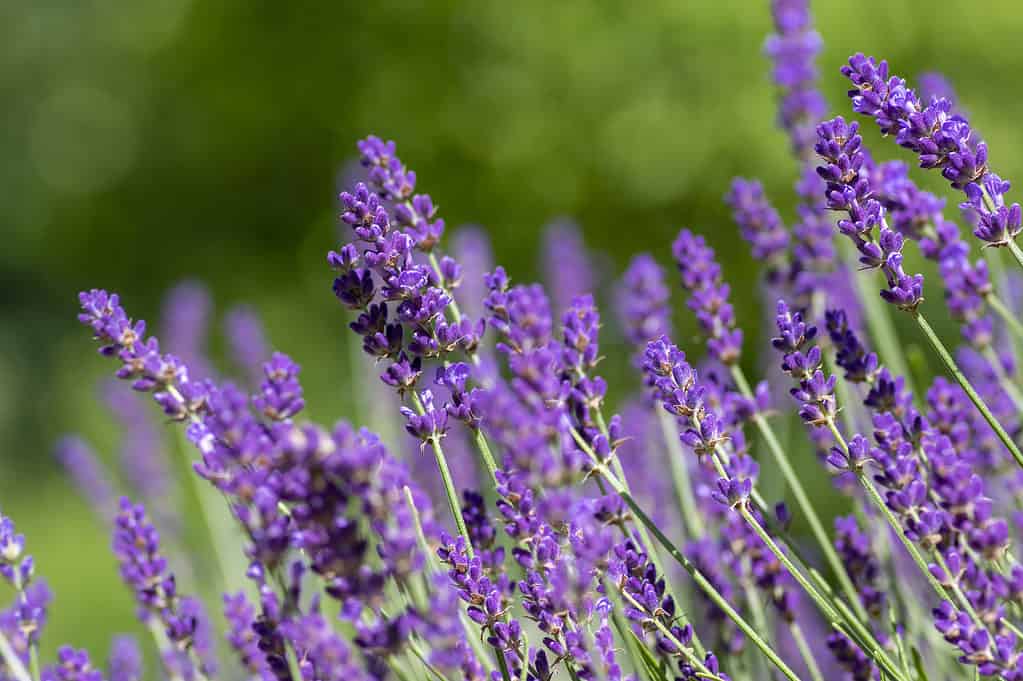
<point>1006,315</point>
<point>802,500</point>
<point>503,664</point>
<point>12,660</point>
<point>805,651</point>
<point>449,484</point>
<point>484,449</point>
<point>1016,252</point>
<point>978,402</point>
<point>680,475</point>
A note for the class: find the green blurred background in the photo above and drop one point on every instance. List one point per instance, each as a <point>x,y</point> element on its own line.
<point>148,141</point>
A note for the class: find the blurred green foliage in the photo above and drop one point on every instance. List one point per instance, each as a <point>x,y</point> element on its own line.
<point>148,141</point>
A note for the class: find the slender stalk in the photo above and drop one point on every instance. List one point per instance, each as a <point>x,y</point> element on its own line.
<point>1016,252</point>
<point>805,652</point>
<point>680,475</point>
<point>484,449</point>
<point>978,402</point>
<point>503,664</point>
<point>1005,314</point>
<point>11,659</point>
<point>162,647</point>
<point>756,610</point>
<point>803,501</point>
<point>412,646</point>
<point>1004,380</point>
<point>449,484</point>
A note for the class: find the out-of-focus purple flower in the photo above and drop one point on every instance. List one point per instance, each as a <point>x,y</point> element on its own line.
<point>470,246</point>
<point>280,393</point>
<point>942,139</point>
<point>854,548</point>
<point>322,654</point>
<point>144,569</point>
<point>125,661</point>
<point>246,338</point>
<point>849,191</point>
<point>793,49</point>
<point>23,622</point>
<point>850,658</point>
<point>642,302</point>
<point>759,223</point>
<point>185,325</point>
<point>566,263</point>
<point>72,665</point>
<point>89,475</point>
<point>701,276</point>
<point>241,635</point>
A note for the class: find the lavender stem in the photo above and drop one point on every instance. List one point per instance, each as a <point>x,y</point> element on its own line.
<point>12,660</point>
<point>680,476</point>
<point>802,499</point>
<point>964,383</point>
<point>805,651</point>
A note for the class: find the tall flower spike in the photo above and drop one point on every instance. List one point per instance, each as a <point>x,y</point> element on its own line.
<point>849,191</point>
<point>72,665</point>
<point>759,224</point>
<point>642,301</point>
<point>125,663</point>
<point>246,337</point>
<point>793,49</point>
<point>88,475</point>
<point>568,272</point>
<point>701,276</point>
<point>942,139</point>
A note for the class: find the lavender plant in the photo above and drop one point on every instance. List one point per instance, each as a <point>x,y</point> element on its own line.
<point>571,555</point>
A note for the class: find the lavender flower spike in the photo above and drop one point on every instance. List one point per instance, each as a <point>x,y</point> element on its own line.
<point>942,139</point>
<point>701,276</point>
<point>758,222</point>
<point>848,190</point>
<point>89,475</point>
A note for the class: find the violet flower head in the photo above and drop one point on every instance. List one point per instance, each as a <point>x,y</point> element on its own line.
<point>185,325</point>
<point>759,223</point>
<point>280,393</point>
<point>125,662</point>
<point>848,190</point>
<point>88,475</point>
<point>701,276</point>
<point>942,139</point>
<point>793,50</point>
<point>144,569</point>
<point>815,391</point>
<point>642,301</point>
<point>72,665</point>
<point>470,246</point>
<point>567,269</point>
<point>242,636</point>
<point>246,338</point>
<point>853,546</point>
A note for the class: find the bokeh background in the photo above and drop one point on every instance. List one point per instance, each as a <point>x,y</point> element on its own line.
<point>150,141</point>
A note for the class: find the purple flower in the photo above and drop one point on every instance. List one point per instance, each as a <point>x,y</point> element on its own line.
<point>857,555</point>
<point>566,264</point>
<point>642,301</point>
<point>88,474</point>
<point>793,49</point>
<point>701,276</point>
<point>185,325</point>
<point>280,393</point>
<point>246,337</point>
<point>849,191</point>
<point>242,636</point>
<point>759,223</point>
<point>125,663</point>
<point>942,139</point>
<point>322,653</point>
<point>72,665</point>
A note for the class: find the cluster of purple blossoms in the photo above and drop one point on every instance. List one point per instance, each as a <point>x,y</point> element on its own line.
<point>701,276</point>
<point>848,190</point>
<point>351,575</point>
<point>941,139</point>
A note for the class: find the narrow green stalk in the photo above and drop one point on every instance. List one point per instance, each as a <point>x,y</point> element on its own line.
<point>680,475</point>
<point>826,608</point>
<point>503,665</point>
<point>412,646</point>
<point>803,500</point>
<point>484,449</point>
<point>805,652</point>
<point>978,402</point>
<point>756,610</point>
<point>163,645</point>
<point>879,323</point>
<point>432,566</point>
<point>11,659</point>
<point>1005,314</point>
<point>449,484</point>
<point>1016,252</point>
<point>1004,380</point>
